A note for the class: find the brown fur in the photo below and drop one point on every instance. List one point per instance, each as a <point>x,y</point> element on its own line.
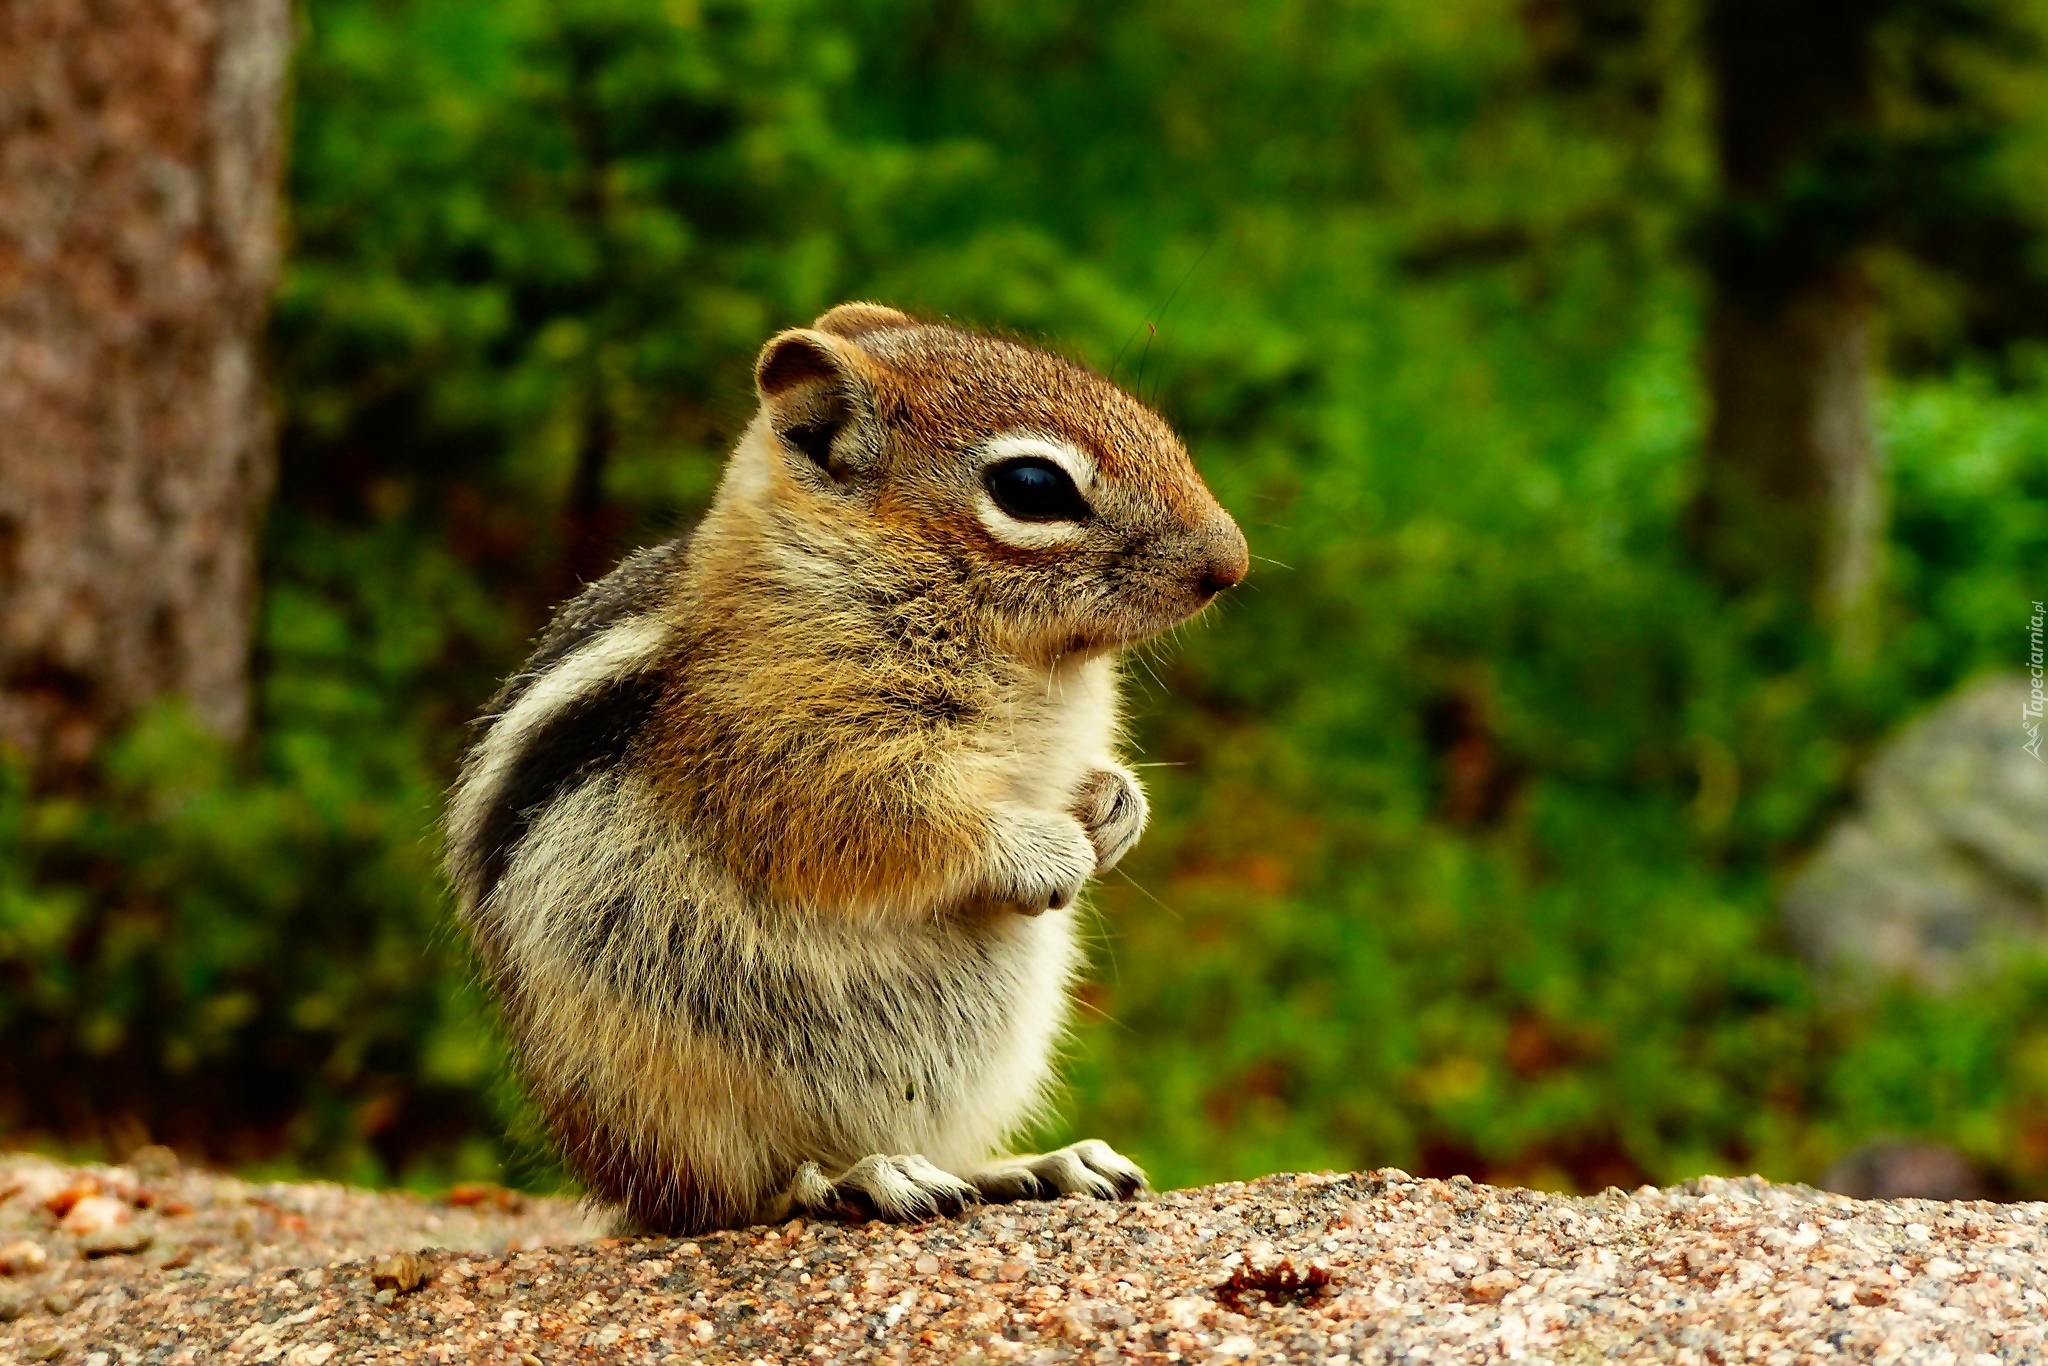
<point>944,388</point>
<point>751,742</point>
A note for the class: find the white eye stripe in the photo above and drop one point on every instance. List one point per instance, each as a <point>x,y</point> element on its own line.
<point>1012,445</point>
<point>1031,445</point>
<point>1031,535</point>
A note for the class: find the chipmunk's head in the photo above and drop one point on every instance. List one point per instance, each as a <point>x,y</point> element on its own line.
<point>1070,508</point>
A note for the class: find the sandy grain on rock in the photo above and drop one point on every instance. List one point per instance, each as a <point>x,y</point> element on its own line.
<point>1378,1267</point>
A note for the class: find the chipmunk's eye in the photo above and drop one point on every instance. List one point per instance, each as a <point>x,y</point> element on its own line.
<point>1033,489</point>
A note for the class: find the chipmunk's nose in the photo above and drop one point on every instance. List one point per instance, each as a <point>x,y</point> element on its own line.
<point>1226,560</point>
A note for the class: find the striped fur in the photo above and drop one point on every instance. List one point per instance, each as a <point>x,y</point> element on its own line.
<point>771,848</point>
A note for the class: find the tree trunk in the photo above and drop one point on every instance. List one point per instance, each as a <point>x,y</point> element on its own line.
<point>1791,493</point>
<point>140,160</point>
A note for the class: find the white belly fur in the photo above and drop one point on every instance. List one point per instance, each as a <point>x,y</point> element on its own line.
<point>719,1100</point>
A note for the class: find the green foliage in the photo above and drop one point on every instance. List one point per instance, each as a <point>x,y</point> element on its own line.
<point>1323,961</point>
<point>1469,807</point>
<point>251,958</point>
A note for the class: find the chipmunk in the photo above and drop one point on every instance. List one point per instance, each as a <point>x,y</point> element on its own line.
<point>771,850</point>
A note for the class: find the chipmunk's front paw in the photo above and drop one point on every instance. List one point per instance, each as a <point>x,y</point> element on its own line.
<point>1043,862</point>
<point>1111,808</point>
<point>1090,1167</point>
<point>903,1188</point>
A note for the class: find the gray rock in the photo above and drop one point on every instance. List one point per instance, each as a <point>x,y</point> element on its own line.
<point>1906,1171</point>
<point>1944,864</point>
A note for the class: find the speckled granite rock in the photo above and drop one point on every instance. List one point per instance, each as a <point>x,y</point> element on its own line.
<point>1371,1268</point>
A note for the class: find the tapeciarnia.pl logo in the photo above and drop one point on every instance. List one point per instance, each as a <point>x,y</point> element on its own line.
<point>2030,719</point>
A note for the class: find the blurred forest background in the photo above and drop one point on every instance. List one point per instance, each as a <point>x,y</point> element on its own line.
<point>1638,412</point>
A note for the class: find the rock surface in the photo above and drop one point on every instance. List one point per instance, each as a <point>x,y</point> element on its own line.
<point>1944,862</point>
<point>1378,1267</point>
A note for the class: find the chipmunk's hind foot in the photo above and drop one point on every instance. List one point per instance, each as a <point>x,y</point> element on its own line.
<point>1090,1167</point>
<point>902,1188</point>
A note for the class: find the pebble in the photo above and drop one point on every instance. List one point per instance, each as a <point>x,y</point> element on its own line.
<point>1491,1287</point>
<point>466,1193</point>
<point>92,1214</point>
<point>82,1191</point>
<point>116,1240</point>
<point>104,1226</point>
<point>401,1272</point>
<point>23,1257</point>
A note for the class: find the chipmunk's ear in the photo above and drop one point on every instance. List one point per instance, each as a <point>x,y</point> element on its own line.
<point>795,358</point>
<point>856,320</point>
<point>818,402</point>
